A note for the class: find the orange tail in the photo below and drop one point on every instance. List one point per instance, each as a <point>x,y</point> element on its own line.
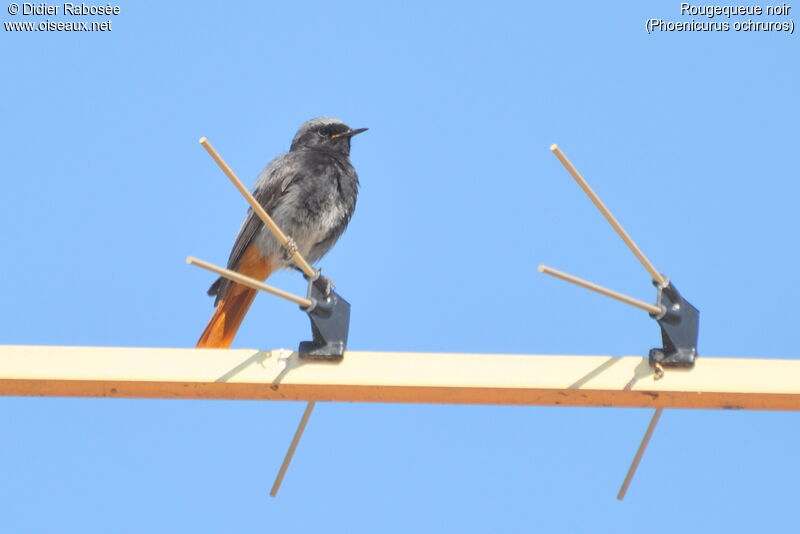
<point>233,307</point>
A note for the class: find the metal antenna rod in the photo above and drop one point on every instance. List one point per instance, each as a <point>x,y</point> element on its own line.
<point>292,446</point>
<point>657,277</point>
<point>639,453</point>
<point>649,308</point>
<point>249,282</point>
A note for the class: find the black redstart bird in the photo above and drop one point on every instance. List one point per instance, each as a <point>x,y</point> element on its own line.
<point>310,193</point>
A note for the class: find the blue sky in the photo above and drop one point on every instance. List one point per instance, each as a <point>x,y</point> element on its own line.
<point>690,138</point>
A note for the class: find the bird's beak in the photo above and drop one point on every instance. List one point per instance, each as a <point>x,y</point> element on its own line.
<point>350,133</point>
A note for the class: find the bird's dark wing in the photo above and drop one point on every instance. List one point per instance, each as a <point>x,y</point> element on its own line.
<point>269,188</point>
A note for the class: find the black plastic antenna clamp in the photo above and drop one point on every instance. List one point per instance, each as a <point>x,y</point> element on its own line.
<point>679,322</point>
<point>330,322</point>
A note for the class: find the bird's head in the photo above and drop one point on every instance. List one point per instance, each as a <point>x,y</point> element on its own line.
<point>325,133</point>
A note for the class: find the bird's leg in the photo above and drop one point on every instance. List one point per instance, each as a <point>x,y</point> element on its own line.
<point>323,284</point>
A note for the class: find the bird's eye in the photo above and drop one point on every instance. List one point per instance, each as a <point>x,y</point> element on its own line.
<point>325,132</point>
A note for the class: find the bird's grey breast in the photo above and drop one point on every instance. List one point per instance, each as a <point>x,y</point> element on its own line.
<point>316,198</point>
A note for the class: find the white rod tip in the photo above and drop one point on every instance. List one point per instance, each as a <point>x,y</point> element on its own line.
<point>203,141</point>
<point>190,259</point>
<point>541,268</point>
<point>554,147</point>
